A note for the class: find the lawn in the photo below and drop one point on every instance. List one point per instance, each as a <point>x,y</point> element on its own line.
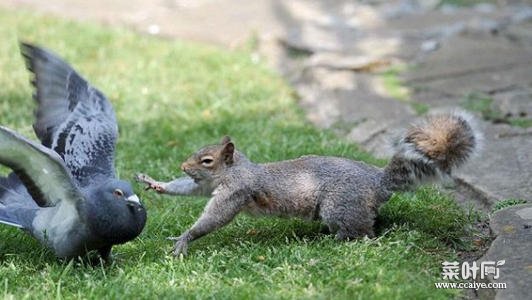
<point>172,97</point>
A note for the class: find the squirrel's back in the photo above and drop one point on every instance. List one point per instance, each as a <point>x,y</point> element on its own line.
<point>296,187</point>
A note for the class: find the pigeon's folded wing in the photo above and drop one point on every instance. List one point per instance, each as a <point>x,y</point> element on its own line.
<point>73,118</point>
<point>40,169</point>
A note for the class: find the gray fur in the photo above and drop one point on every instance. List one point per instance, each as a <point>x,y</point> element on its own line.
<point>343,194</point>
<point>184,186</point>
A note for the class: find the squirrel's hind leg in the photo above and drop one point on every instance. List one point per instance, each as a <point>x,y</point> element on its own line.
<point>348,221</point>
<point>346,235</point>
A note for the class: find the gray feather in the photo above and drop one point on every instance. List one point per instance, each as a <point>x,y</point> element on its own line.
<point>41,170</point>
<point>64,192</point>
<point>73,118</point>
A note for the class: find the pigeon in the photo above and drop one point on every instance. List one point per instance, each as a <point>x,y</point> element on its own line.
<point>64,191</point>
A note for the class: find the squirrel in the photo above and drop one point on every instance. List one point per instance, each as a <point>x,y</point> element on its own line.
<point>342,193</point>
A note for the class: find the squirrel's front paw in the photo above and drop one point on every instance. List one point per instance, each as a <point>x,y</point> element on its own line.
<point>180,246</point>
<point>143,178</point>
<point>151,184</point>
<point>159,188</point>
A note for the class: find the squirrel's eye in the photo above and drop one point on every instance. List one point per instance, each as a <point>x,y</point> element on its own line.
<point>118,193</point>
<point>207,161</point>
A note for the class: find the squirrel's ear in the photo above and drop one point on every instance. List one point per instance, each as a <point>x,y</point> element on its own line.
<point>226,139</point>
<point>227,153</point>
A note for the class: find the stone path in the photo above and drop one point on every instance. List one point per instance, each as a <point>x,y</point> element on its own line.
<point>478,57</point>
<point>513,227</point>
<point>367,68</point>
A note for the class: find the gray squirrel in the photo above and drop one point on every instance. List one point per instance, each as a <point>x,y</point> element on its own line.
<point>342,193</point>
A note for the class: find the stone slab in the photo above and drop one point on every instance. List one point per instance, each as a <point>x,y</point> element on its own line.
<point>489,80</point>
<point>461,56</point>
<point>349,100</point>
<point>513,227</point>
<point>514,103</point>
<point>503,170</point>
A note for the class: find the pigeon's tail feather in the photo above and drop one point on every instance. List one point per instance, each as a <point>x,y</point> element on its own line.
<point>4,188</point>
<point>7,188</point>
<point>8,219</point>
<point>12,191</point>
<point>17,207</point>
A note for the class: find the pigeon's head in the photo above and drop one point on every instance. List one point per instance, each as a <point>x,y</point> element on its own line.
<point>120,190</point>
<point>117,214</point>
<point>209,161</point>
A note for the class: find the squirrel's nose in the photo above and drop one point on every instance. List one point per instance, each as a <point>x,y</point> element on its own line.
<point>183,166</point>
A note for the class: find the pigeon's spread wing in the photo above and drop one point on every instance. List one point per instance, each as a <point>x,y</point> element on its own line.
<point>72,118</point>
<point>41,170</point>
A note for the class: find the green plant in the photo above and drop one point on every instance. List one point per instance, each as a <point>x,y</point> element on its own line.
<point>507,203</point>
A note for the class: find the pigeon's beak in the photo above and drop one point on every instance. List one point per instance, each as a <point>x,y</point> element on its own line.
<point>134,199</point>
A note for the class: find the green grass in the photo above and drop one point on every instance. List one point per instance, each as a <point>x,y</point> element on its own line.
<point>482,104</point>
<point>420,108</point>
<point>396,88</point>
<point>521,122</point>
<point>170,98</point>
<point>393,84</point>
<point>428,210</point>
<point>507,203</point>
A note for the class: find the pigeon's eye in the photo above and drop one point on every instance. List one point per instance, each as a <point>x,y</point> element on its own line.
<point>118,193</point>
<point>207,161</point>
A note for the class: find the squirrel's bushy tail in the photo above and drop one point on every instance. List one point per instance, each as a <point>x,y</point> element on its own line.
<point>430,149</point>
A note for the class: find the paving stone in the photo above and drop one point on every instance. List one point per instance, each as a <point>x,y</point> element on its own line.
<point>488,80</point>
<point>436,98</point>
<point>504,168</point>
<point>520,34</point>
<point>513,227</point>
<point>463,58</point>
<point>515,102</point>
<point>332,96</point>
<point>350,62</point>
